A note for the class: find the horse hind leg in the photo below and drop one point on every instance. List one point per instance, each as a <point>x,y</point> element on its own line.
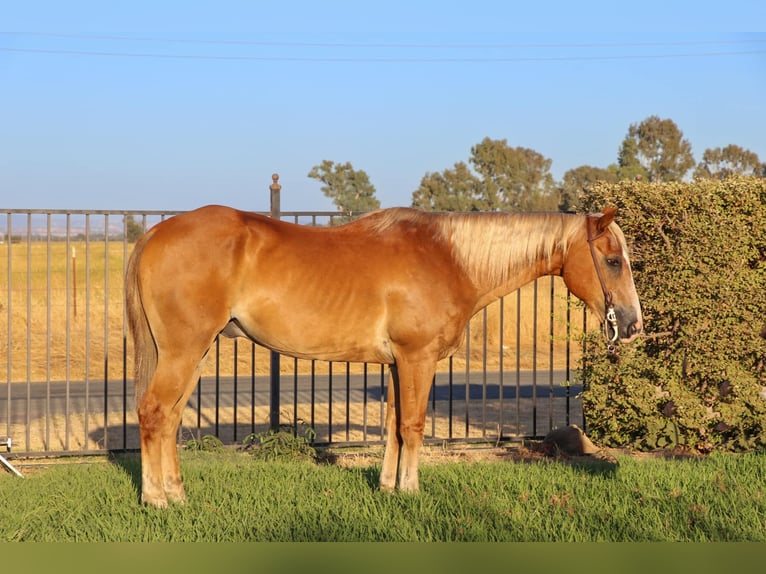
<point>159,413</point>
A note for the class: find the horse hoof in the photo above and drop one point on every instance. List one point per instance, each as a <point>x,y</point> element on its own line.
<point>176,496</point>
<point>155,501</point>
<point>180,500</point>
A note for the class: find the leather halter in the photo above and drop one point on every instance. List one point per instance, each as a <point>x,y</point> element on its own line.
<point>610,315</point>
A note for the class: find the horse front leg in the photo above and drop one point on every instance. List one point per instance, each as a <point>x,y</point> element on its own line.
<point>413,383</point>
<point>390,468</point>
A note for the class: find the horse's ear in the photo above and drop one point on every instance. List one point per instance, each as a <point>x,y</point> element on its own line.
<point>605,219</point>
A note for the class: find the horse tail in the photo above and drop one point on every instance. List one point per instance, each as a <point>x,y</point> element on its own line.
<point>144,346</point>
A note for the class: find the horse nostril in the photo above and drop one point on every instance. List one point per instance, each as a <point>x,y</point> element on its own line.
<point>634,328</point>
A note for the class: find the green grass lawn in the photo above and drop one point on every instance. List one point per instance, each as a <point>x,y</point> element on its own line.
<point>233,497</point>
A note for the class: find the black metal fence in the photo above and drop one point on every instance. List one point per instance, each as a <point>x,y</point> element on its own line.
<point>65,364</point>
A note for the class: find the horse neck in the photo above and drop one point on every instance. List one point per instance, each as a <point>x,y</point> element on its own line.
<point>502,252</point>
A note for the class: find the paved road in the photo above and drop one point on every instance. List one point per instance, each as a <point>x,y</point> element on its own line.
<point>30,401</point>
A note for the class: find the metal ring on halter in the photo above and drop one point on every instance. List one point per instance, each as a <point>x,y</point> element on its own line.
<point>611,321</point>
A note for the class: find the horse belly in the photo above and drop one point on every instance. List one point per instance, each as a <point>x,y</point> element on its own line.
<point>315,336</point>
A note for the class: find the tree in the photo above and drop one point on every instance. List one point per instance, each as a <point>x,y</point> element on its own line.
<point>514,178</point>
<point>657,146</point>
<point>349,189</point>
<point>721,163</point>
<point>133,229</point>
<point>579,179</point>
<point>628,165</point>
<point>455,189</point>
<point>511,179</point>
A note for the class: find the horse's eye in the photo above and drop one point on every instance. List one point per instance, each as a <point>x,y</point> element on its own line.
<point>613,262</point>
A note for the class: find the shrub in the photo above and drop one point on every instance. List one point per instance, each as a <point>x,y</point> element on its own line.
<point>208,442</point>
<point>284,442</point>
<point>697,378</point>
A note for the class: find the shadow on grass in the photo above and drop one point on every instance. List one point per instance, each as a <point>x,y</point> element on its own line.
<point>371,476</point>
<point>594,466</point>
<point>369,470</point>
<point>130,464</point>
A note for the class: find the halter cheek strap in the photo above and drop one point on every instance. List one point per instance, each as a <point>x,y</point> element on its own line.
<point>610,315</point>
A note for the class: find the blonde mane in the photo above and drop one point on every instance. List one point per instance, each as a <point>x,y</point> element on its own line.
<point>491,246</point>
<point>496,244</point>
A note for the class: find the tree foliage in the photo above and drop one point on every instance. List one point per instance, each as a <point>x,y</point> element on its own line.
<point>655,148</point>
<point>697,378</point>
<point>455,189</point>
<point>503,178</point>
<point>349,189</point>
<point>720,163</point>
<point>629,166</point>
<point>514,178</point>
<point>133,229</point>
<point>581,178</point>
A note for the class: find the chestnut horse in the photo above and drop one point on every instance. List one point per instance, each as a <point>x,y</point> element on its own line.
<point>395,287</point>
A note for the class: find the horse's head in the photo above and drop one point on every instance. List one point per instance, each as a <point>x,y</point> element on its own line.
<point>597,270</point>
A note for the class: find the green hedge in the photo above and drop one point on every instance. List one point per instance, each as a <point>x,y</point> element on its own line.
<point>698,378</point>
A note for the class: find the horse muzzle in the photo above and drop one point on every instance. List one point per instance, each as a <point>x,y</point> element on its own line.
<point>629,324</point>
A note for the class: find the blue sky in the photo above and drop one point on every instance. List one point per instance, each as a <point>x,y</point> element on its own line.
<point>176,104</point>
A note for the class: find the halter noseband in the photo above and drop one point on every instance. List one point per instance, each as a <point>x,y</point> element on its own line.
<point>610,315</point>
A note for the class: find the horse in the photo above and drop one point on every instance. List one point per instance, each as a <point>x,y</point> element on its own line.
<point>396,287</point>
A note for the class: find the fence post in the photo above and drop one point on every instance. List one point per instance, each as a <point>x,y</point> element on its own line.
<point>275,189</point>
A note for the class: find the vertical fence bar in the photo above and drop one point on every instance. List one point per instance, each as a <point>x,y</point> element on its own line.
<point>217,383</point>
<point>484,375</point>
<point>199,410</point>
<point>348,401</point>
<point>329,401</point>
<point>295,397</point>
<point>274,189</point>
<point>252,387</point>
<point>236,388</point>
<point>106,330</point>
<point>9,344</point>
<point>550,353</point>
<point>28,436</point>
<point>433,406</point>
<point>364,404</point>
<point>124,335</point>
<point>518,361</point>
<point>313,393</point>
<point>534,359</point>
<point>501,369</point>
<point>86,409</point>
<point>382,400</point>
<point>467,378</point>
<point>568,388</point>
<point>585,382</point>
<point>450,385</point>
<point>68,343</point>
<point>48,413</point>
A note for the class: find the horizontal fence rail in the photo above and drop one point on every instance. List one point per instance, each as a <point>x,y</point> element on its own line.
<point>66,362</point>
